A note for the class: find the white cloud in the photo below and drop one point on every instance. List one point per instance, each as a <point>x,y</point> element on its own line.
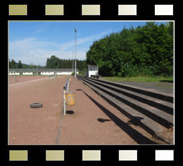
<point>33,50</point>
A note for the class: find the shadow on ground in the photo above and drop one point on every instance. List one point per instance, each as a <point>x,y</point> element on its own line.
<point>70,112</point>
<point>103,120</point>
<point>170,81</point>
<point>130,122</point>
<point>135,135</point>
<point>79,90</point>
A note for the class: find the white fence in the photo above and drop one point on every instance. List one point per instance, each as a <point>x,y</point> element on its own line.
<point>14,73</point>
<point>41,73</point>
<point>27,73</point>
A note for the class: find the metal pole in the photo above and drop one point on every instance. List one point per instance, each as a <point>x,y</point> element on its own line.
<point>75,51</point>
<point>64,102</point>
<point>72,61</point>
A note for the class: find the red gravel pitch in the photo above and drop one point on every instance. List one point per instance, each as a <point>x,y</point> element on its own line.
<point>91,121</point>
<point>34,126</point>
<point>24,79</point>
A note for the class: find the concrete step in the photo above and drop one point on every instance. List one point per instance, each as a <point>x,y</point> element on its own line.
<point>159,116</point>
<point>142,120</point>
<point>153,93</point>
<point>151,101</point>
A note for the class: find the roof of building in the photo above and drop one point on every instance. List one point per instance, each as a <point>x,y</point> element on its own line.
<point>42,70</point>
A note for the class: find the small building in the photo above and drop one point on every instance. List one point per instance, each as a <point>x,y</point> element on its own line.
<point>92,70</point>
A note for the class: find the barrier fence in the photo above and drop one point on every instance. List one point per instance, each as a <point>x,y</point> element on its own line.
<point>65,90</point>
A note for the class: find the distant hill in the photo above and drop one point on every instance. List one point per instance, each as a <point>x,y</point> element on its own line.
<point>26,65</point>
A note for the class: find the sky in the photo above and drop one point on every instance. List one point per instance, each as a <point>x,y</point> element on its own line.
<point>35,41</point>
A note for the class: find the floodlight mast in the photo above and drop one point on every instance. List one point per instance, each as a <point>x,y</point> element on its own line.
<point>73,61</point>
<point>75,52</point>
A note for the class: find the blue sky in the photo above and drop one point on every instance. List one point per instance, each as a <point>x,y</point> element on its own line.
<point>35,41</point>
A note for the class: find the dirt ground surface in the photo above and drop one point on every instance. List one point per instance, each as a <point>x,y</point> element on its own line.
<point>35,126</point>
<point>24,79</point>
<point>91,121</point>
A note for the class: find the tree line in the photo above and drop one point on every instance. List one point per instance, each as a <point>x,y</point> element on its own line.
<point>55,62</point>
<point>19,65</point>
<point>145,50</point>
<point>52,62</point>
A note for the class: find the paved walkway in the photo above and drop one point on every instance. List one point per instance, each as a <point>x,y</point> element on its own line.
<point>93,121</point>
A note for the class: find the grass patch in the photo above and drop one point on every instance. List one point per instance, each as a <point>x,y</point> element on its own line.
<point>140,79</point>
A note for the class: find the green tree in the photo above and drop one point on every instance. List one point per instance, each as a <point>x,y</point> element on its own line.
<point>69,63</point>
<point>12,64</point>
<point>158,43</point>
<point>169,26</point>
<point>31,66</point>
<point>53,62</point>
<point>145,50</point>
<point>19,64</point>
<point>24,66</point>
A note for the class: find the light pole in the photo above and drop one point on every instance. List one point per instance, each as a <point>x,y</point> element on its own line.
<point>72,61</point>
<point>75,51</point>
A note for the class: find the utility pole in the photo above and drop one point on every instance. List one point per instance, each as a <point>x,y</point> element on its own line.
<point>75,51</point>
